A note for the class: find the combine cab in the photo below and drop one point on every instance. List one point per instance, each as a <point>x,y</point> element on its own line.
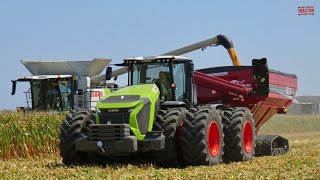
<point>62,86</point>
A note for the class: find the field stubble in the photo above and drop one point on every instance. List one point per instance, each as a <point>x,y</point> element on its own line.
<point>34,154</point>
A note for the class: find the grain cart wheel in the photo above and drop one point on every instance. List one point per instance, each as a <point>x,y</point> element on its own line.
<point>202,137</point>
<point>239,136</point>
<point>71,129</point>
<point>167,121</point>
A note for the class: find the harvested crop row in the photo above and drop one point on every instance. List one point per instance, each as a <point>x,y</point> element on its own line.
<point>36,134</point>
<point>302,162</point>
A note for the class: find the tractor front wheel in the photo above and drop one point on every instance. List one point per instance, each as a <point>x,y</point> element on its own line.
<point>167,121</point>
<point>72,129</point>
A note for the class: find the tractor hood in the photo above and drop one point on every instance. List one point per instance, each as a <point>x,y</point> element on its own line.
<point>130,96</point>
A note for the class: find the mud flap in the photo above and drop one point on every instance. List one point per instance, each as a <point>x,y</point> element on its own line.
<point>271,145</point>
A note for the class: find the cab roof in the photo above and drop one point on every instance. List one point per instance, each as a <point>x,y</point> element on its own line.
<point>155,58</point>
<point>45,77</point>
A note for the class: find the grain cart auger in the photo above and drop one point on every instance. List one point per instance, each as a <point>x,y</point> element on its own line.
<point>158,113</point>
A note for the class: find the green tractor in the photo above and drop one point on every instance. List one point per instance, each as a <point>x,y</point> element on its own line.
<point>156,114</point>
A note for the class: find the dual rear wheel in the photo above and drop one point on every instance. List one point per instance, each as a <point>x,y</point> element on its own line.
<point>239,134</point>
<point>209,138</point>
<point>202,137</point>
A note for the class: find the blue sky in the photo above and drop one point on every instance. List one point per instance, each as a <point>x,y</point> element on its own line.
<point>83,30</point>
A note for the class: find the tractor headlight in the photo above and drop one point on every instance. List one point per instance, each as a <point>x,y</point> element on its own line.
<point>132,108</point>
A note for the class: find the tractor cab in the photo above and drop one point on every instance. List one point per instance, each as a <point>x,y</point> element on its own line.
<point>172,75</point>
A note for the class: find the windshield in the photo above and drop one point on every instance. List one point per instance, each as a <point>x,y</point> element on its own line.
<point>159,73</point>
<point>149,72</point>
<point>51,94</point>
<point>179,80</point>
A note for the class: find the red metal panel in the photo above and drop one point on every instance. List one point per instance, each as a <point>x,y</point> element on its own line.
<point>221,85</point>
<point>228,86</point>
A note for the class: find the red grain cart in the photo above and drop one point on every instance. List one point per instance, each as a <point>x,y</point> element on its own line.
<point>265,92</point>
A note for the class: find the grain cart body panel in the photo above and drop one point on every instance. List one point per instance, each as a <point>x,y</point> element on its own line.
<point>282,91</point>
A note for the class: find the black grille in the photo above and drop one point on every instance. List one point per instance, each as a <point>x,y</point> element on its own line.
<point>114,118</point>
<point>108,132</point>
<point>143,118</point>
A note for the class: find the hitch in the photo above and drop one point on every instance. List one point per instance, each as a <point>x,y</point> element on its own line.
<point>100,146</point>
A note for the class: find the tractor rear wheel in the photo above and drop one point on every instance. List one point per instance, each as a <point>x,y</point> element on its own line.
<point>239,135</point>
<point>167,121</point>
<point>202,137</point>
<point>72,129</point>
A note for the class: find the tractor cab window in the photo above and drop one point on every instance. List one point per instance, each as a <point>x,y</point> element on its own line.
<point>179,81</point>
<point>158,73</point>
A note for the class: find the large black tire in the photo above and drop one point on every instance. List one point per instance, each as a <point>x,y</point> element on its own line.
<point>239,135</point>
<point>72,129</point>
<point>226,113</point>
<point>167,121</point>
<point>202,137</point>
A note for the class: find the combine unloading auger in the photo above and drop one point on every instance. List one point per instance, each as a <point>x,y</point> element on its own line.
<point>215,41</point>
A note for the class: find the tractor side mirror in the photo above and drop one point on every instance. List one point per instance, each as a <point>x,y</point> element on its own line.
<point>108,73</point>
<point>14,86</point>
<point>191,69</point>
<point>75,86</point>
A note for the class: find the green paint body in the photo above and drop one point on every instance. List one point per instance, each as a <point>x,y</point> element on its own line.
<point>145,92</point>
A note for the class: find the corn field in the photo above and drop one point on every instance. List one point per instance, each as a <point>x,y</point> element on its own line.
<point>29,150</point>
<point>28,134</point>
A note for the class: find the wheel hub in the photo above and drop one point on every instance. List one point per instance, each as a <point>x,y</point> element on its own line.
<point>247,137</point>
<point>214,139</point>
